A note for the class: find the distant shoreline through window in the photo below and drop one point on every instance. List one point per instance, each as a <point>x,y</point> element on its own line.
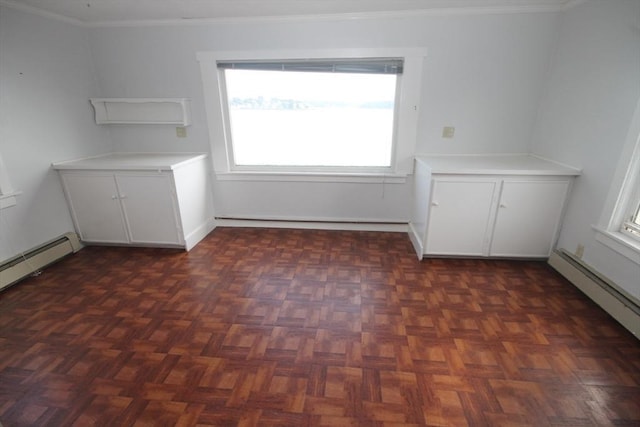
<point>312,119</point>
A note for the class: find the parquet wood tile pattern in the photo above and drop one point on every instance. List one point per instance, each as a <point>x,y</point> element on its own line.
<point>277,327</point>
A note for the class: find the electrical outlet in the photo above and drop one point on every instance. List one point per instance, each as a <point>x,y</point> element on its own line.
<point>181,131</point>
<point>448,131</point>
<point>579,251</point>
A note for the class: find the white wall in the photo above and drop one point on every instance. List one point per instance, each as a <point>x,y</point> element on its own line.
<point>584,117</point>
<point>46,78</point>
<point>483,75</point>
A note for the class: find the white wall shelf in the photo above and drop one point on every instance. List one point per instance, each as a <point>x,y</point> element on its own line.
<point>169,111</point>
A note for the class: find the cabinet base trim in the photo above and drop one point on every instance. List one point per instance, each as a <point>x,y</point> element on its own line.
<point>199,233</point>
<point>416,241</point>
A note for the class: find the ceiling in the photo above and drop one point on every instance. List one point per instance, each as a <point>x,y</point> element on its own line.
<point>97,12</point>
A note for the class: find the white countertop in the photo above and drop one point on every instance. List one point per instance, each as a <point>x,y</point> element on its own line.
<point>131,161</point>
<point>499,164</point>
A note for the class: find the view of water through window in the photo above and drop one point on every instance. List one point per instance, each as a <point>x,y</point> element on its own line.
<point>310,118</point>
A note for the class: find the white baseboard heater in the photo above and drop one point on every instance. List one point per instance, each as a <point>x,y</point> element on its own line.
<point>313,224</point>
<point>32,261</point>
<point>601,290</point>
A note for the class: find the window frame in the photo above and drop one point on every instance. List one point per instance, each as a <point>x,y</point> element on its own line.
<point>408,93</point>
<point>631,220</point>
<point>623,198</point>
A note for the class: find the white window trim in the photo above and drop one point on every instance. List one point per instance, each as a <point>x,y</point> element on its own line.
<point>366,178</point>
<point>621,196</point>
<point>407,112</point>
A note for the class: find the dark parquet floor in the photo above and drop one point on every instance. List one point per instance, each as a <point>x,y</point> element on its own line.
<point>272,327</point>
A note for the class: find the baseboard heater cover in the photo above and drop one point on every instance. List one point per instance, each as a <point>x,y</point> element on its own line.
<point>320,224</point>
<point>597,287</point>
<point>32,261</point>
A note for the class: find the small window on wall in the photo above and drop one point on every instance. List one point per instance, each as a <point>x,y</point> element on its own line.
<point>312,113</point>
<point>620,229</point>
<point>632,226</point>
<point>631,219</point>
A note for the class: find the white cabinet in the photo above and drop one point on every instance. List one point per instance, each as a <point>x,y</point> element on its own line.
<point>137,208</point>
<point>460,213</point>
<point>500,206</point>
<point>528,217</point>
<point>95,207</point>
<point>141,195</point>
<point>144,200</point>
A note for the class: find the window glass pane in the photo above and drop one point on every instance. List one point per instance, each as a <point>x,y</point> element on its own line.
<point>636,217</point>
<point>633,225</point>
<point>311,119</point>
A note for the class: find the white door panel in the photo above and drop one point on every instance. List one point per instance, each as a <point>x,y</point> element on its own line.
<point>459,218</point>
<point>149,208</point>
<point>527,218</point>
<point>95,207</point>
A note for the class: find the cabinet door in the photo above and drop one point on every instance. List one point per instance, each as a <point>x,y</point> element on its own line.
<point>149,207</point>
<point>528,218</point>
<point>95,207</point>
<point>459,216</point>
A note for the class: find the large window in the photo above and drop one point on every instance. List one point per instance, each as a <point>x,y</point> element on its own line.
<point>328,112</point>
<point>314,113</point>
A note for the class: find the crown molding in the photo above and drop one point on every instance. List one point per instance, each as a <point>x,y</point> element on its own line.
<point>515,9</point>
<point>43,13</point>
<point>399,14</point>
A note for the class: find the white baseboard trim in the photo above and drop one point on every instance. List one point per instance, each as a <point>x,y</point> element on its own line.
<point>314,225</point>
<point>416,241</point>
<point>199,233</point>
<point>590,283</point>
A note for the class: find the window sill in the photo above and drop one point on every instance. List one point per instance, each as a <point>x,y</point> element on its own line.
<point>365,178</point>
<point>619,242</point>
<point>8,200</point>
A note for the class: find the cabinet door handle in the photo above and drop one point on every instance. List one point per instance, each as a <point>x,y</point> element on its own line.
<point>123,196</point>
<point>435,204</point>
<point>502,205</point>
<point>114,197</point>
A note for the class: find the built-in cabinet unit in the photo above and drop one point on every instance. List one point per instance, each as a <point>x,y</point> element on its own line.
<point>139,199</point>
<point>488,206</point>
